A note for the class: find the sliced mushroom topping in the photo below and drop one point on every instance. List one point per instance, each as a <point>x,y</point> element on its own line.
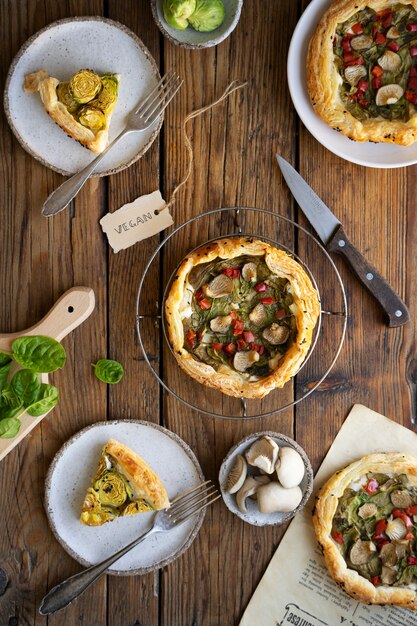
<point>401,547</point>
<point>237,475</point>
<point>353,74</point>
<point>248,488</point>
<point>396,529</point>
<point>221,324</point>
<point>219,287</point>
<point>390,61</point>
<point>362,42</point>
<point>401,499</point>
<point>243,360</point>
<point>367,510</point>
<point>249,272</point>
<point>362,552</point>
<point>388,554</point>
<point>393,33</point>
<point>276,334</point>
<point>263,453</point>
<point>258,314</point>
<point>388,575</point>
<point>389,94</point>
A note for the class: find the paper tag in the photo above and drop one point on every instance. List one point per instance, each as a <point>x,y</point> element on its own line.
<point>144,217</point>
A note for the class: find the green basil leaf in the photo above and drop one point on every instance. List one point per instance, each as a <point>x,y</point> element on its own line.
<point>108,371</point>
<point>26,385</point>
<point>38,353</point>
<point>4,358</point>
<point>47,398</point>
<point>9,427</point>
<point>4,373</point>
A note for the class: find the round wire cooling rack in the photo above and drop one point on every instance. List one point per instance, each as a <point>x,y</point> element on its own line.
<point>279,231</point>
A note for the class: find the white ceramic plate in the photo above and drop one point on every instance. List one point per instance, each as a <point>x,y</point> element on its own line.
<point>369,154</point>
<point>69,477</point>
<point>253,516</point>
<point>62,48</point>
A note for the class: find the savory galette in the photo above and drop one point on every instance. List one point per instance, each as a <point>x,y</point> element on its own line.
<point>365,520</point>
<point>240,316</point>
<point>362,69</point>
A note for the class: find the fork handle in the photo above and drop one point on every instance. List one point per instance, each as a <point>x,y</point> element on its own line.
<point>63,594</point>
<point>62,196</point>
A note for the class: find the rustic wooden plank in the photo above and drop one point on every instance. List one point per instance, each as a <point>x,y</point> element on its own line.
<point>42,259</point>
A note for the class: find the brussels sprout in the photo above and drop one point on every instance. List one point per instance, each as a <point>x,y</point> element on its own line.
<point>84,86</point>
<point>92,118</point>
<point>64,95</point>
<point>112,489</point>
<point>208,15</point>
<point>179,23</point>
<point>107,97</point>
<point>138,506</point>
<point>180,8</point>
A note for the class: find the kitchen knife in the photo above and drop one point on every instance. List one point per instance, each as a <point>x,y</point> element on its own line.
<point>331,232</point>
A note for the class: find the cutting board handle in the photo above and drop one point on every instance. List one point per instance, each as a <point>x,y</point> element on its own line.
<point>73,307</point>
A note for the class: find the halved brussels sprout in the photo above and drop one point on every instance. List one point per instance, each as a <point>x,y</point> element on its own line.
<point>139,506</point>
<point>112,489</point>
<point>181,9</point>
<point>208,15</point>
<point>85,85</point>
<point>64,95</point>
<point>93,513</point>
<point>92,118</point>
<point>179,23</point>
<point>107,97</point>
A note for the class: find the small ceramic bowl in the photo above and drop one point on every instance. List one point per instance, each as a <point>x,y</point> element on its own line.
<point>190,38</point>
<point>253,515</point>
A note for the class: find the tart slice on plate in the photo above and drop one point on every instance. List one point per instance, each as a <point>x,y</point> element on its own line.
<point>82,106</point>
<point>123,485</point>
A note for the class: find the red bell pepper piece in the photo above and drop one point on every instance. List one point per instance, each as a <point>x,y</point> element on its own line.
<point>259,349</point>
<point>376,83</point>
<point>358,61</point>
<point>405,518</point>
<point>191,338</point>
<point>261,287</point>
<point>380,543</point>
<point>412,28</point>
<point>281,314</point>
<point>409,536</point>
<point>217,346</point>
<point>413,51</point>
<point>375,580</point>
<point>412,560</point>
<point>338,537</point>
<point>233,315</point>
<point>204,304</point>
<point>248,336</point>
<point>346,45</point>
<point>363,85</point>
<point>230,348</point>
<point>387,21</point>
<point>394,46</point>
<point>412,83</point>
<point>199,295</point>
<point>380,527</point>
<point>411,97</point>
<point>413,71</point>
<point>267,301</point>
<point>199,335</point>
<point>380,38</point>
<point>372,486</point>
<point>348,55</point>
<point>238,326</point>
<point>377,71</point>
<point>241,343</point>
<point>411,510</point>
<point>358,28</point>
<point>233,272</point>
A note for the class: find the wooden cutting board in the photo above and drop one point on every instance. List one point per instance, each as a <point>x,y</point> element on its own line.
<point>73,307</point>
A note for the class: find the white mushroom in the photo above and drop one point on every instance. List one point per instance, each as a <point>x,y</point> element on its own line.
<point>249,272</point>
<point>388,554</point>
<point>388,575</point>
<point>290,468</point>
<point>362,552</point>
<point>276,334</point>
<point>263,454</point>
<point>369,509</point>
<point>248,488</point>
<point>393,33</point>
<point>258,314</point>
<point>220,286</point>
<point>401,499</point>
<point>273,497</point>
<point>237,475</point>
<point>361,42</point>
<point>261,480</point>
<point>244,359</point>
<point>396,529</point>
<point>390,61</point>
<point>389,94</point>
<point>353,74</point>
<point>221,324</point>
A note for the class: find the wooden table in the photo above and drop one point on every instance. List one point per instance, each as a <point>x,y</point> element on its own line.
<point>234,145</point>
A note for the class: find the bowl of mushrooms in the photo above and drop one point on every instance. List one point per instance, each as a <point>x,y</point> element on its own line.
<point>266,479</point>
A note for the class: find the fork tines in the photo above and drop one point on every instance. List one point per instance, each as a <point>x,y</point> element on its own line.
<point>159,98</point>
<point>193,501</point>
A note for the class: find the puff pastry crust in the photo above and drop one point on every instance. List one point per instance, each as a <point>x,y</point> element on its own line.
<point>306,306</point>
<point>144,488</point>
<point>324,80</point>
<point>326,506</point>
<point>46,86</point>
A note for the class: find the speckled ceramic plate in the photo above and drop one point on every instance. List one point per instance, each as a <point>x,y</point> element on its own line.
<point>253,516</point>
<point>62,48</point>
<point>69,477</point>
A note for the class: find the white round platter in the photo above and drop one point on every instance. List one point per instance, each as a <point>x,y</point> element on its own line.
<point>69,477</point>
<point>62,48</point>
<point>369,154</point>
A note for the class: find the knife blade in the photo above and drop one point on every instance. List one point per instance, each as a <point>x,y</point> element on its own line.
<point>331,232</point>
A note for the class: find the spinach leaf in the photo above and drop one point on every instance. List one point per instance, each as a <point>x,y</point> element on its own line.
<point>47,398</point>
<point>9,427</point>
<point>8,398</point>
<point>108,371</point>
<point>38,353</point>
<point>4,358</point>
<point>26,385</point>
<point>4,373</point>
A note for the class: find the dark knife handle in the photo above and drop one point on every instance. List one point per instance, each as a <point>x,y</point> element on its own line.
<point>377,285</point>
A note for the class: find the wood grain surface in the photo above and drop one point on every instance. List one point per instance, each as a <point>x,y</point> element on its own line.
<point>234,165</point>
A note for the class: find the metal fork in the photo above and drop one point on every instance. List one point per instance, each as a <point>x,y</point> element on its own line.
<point>138,120</point>
<point>182,508</point>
